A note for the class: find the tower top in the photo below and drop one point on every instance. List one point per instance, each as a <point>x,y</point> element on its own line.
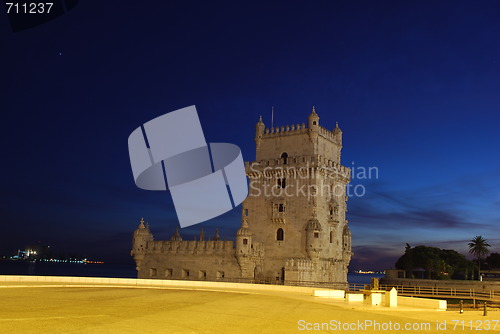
<point>244,223</point>
<point>244,230</point>
<point>313,119</point>
<point>141,223</point>
<point>337,129</point>
<point>313,114</point>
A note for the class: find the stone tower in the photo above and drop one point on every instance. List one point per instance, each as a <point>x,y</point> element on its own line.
<point>297,202</point>
<point>293,226</point>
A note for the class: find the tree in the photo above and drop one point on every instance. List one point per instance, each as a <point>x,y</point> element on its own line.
<point>437,263</point>
<point>478,247</point>
<point>493,261</point>
<point>409,261</point>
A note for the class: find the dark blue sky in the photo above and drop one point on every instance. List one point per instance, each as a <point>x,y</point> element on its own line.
<point>414,85</point>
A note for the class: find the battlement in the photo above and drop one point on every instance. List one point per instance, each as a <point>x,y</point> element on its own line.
<point>326,133</point>
<point>288,130</point>
<point>296,129</point>
<point>300,264</point>
<point>191,247</point>
<point>296,164</point>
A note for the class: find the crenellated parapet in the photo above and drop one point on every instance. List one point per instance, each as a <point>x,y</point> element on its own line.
<point>289,130</point>
<point>297,129</point>
<point>194,247</point>
<point>330,135</point>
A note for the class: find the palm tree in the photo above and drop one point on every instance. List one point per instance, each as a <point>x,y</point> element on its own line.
<point>478,247</point>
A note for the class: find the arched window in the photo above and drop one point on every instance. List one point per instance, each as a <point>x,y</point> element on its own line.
<point>280,234</point>
<point>284,158</point>
<point>281,183</point>
<point>331,236</point>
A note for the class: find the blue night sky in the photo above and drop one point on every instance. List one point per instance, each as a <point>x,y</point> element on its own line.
<point>414,85</point>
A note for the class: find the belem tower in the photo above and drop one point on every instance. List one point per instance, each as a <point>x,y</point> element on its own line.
<point>293,226</point>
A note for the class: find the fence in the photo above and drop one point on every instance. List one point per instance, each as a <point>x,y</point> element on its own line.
<point>491,297</point>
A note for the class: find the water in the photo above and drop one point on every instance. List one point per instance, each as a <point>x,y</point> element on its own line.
<point>356,278</point>
<point>67,269</point>
<point>106,270</point>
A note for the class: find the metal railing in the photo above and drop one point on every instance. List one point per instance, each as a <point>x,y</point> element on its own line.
<point>491,296</point>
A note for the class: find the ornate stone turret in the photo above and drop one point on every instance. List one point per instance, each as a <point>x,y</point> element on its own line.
<point>216,236</point>
<point>139,242</point>
<point>313,123</point>
<point>243,239</point>
<point>202,235</point>
<point>313,240</point>
<point>244,250</point>
<point>259,131</point>
<point>337,133</point>
<point>313,120</point>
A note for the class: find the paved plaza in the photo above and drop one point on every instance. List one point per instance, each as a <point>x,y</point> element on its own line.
<point>44,308</point>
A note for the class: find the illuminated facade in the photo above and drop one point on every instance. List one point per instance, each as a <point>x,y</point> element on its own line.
<point>293,228</point>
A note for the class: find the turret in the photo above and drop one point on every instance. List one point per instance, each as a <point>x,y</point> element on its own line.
<point>337,133</point>
<point>243,240</point>
<point>139,243</point>
<point>244,250</point>
<point>259,131</point>
<point>313,240</point>
<point>313,120</point>
<point>313,237</point>
<point>313,123</point>
<point>346,243</point>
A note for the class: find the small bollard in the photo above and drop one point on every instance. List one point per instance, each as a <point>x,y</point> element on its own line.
<point>485,310</point>
<point>461,306</point>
